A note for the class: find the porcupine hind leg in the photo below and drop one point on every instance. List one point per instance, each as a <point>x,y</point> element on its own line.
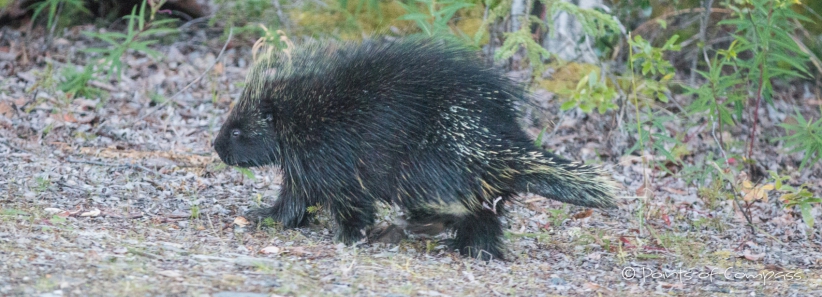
<point>354,212</point>
<point>479,234</point>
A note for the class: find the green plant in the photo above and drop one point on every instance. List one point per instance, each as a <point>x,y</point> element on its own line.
<point>434,21</point>
<point>54,6</point>
<point>11,212</point>
<point>763,30</point>
<point>314,209</point>
<point>195,211</point>
<point>804,136</point>
<point>76,82</point>
<point>656,135</point>
<point>269,222</point>
<point>591,92</point>
<point>139,27</point>
<point>245,16</point>
<point>799,197</point>
<point>720,96</point>
<point>246,172</point>
<point>43,183</point>
<point>653,66</point>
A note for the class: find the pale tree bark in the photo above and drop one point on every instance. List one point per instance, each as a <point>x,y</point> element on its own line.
<point>568,41</point>
<point>518,9</point>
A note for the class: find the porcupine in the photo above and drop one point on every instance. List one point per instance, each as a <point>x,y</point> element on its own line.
<point>421,123</point>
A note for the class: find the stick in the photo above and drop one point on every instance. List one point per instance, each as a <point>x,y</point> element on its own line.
<point>161,105</point>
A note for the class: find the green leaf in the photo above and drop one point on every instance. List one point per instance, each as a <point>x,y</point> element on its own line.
<point>567,105</point>
<point>805,208</point>
<point>538,141</point>
<point>245,171</point>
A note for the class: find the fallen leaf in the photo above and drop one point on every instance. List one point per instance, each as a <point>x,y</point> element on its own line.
<point>241,221</point>
<point>298,251</point>
<point>629,160</point>
<point>6,110</point>
<point>52,210</point>
<point>270,250</point>
<point>170,273</point>
<point>592,286</point>
<point>675,191</point>
<point>583,214</point>
<point>752,257</point>
<point>92,213</point>
<point>753,193</point>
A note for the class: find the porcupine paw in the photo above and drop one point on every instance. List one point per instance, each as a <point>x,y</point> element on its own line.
<point>349,235</point>
<point>261,216</point>
<point>478,236</point>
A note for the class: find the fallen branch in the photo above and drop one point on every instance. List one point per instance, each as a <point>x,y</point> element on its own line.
<point>132,166</point>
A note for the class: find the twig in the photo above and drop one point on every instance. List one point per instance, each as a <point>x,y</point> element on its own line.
<point>145,254</point>
<point>718,143</point>
<point>170,99</point>
<point>14,147</point>
<point>655,21</point>
<point>192,22</point>
<point>133,166</point>
<point>703,33</point>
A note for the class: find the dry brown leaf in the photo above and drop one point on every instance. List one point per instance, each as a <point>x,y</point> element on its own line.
<point>241,221</point>
<point>270,250</point>
<point>752,257</point>
<point>675,191</point>
<point>583,214</point>
<point>218,69</point>
<point>753,193</point>
<point>593,286</point>
<point>6,110</point>
<point>629,160</point>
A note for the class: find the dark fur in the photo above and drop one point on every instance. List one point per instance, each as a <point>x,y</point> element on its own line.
<point>419,123</point>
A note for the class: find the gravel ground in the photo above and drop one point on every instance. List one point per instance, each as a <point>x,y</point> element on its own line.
<point>125,197</point>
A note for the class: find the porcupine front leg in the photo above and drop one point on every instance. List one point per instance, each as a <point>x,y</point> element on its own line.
<point>289,210</point>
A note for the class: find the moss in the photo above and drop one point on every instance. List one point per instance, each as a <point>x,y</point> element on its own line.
<point>565,77</point>
<point>353,21</point>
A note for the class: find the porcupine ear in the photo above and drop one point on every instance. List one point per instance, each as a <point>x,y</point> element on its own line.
<point>552,177</point>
